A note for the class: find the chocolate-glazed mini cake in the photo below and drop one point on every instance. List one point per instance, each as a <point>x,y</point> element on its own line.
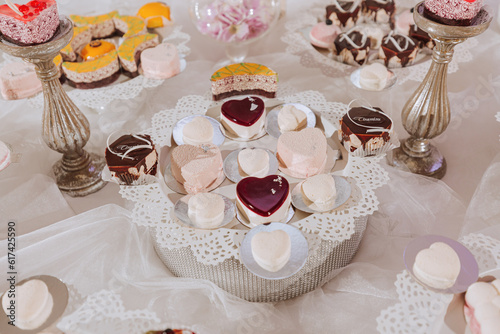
<point>366,128</point>
<point>380,11</point>
<point>131,156</point>
<point>453,12</point>
<point>343,13</point>
<point>398,50</point>
<point>352,47</point>
<point>423,38</point>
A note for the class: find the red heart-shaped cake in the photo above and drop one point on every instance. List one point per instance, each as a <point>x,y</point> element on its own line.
<point>243,112</point>
<point>263,196</point>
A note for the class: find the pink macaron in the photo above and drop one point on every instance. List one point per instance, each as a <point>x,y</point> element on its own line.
<point>322,35</point>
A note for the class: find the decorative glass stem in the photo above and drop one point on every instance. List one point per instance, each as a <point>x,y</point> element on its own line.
<point>237,52</point>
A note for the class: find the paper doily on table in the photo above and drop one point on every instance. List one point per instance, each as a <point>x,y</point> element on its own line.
<point>98,98</point>
<point>299,45</point>
<point>153,209</point>
<point>419,307</point>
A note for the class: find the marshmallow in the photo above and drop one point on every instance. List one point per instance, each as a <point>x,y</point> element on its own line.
<point>271,250</point>
<point>206,210</point>
<point>320,190</point>
<point>373,77</point>
<point>198,131</point>
<point>254,162</point>
<point>291,119</point>
<point>437,266</point>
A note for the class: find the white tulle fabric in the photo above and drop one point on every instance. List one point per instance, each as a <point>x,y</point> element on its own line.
<point>98,98</point>
<point>297,40</point>
<point>154,209</point>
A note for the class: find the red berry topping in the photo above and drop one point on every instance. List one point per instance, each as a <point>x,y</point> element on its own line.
<point>24,9</point>
<point>34,3</point>
<point>30,14</point>
<point>25,16</point>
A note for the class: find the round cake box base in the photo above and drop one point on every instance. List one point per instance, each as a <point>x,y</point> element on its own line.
<point>233,277</point>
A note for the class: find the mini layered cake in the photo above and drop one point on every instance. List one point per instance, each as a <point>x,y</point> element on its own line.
<point>482,307</point>
<point>155,14</point>
<point>129,26</point>
<point>206,210</point>
<point>81,36</point>
<point>244,78</point>
<point>263,200</point>
<point>197,132</point>
<point>196,167</point>
<point>302,153</point>
<point>100,26</point>
<point>253,162</point>
<point>343,13</point>
<point>131,156</point>
<point>244,118</point>
<point>365,128</point>
<point>271,250</point>
<point>352,47</point>
<point>129,52</point>
<point>398,50</point>
<point>37,24</point>
<point>437,266</point>
<point>160,62</point>
<point>453,12</point>
<point>18,80</point>
<point>380,11</point>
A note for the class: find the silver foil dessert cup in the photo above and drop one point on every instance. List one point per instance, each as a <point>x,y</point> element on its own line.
<point>427,113</point>
<point>64,128</point>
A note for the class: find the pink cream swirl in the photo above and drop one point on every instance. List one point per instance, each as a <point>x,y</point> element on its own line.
<point>455,9</point>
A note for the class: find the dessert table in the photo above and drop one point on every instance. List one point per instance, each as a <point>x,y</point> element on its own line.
<point>118,283</point>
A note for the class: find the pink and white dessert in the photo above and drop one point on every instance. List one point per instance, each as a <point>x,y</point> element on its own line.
<point>254,162</point>
<point>263,200</point>
<point>37,24</point>
<point>18,80</point>
<point>437,266</point>
<point>453,12</point>
<point>322,35</point>
<point>291,118</point>
<point>206,210</point>
<point>244,118</point>
<point>196,167</point>
<point>302,153</point>
<point>482,307</point>
<point>319,190</point>
<point>271,250</point>
<point>161,62</point>
<point>5,154</point>
<point>197,132</point>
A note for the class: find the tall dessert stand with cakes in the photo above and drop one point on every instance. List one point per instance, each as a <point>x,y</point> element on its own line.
<point>64,128</point>
<point>427,113</point>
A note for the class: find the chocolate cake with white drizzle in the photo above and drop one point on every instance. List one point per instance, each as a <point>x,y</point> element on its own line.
<point>398,50</point>
<point>352,47</point>
<point>343,13</point>
<point>380,11</point>
<point>131,156</point>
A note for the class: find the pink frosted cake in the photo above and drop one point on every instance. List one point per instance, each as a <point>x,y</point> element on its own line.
<point>196,167</point>
<point>453,12</point>
<point>18,80</point>
<point>160,62</point>
<point>38,23</point>
<point>302,153</point>
<point>482,307</point>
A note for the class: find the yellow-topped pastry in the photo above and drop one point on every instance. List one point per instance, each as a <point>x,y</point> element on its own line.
<point>129,25</point>
<point>251,79</point>
<point>96,49</point>
<point>100,26</point>
<point>81,37</point>
<point>93,73</point>
<point>154,13</point>
<point>135,45</point>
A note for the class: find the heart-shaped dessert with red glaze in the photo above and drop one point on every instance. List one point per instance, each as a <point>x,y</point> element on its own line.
<point>264,196</point>
<point>243,112</point>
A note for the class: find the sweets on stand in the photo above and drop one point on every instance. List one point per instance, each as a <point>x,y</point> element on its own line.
<point>291,118</point>
<point>437,266</point>
<point>198,131</point>
<point>131,156</point>
<point>271,250</point>
<point>5,156</point>
<point>453,12</point>
<point>160,62</point>
<point>319,190</point>
<point>206,210</point>
<point>130,50</point>
<point>482,307</point>
<point>343,13</point>
<point>302,153</point>
<point>254,162</point>
<point>263,200</point>
<point>37,24</point>
<point>155,14</point>
<point>196,167</point>
<point>244,118</point>
<point>322,35</point>
<point>398,50</point>
<point>244,78</point>
<point>352,47</point>
<point>18,80</point>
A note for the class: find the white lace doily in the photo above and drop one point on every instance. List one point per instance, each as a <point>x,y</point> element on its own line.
<point>298,44</point>
<point>153,209</point>
<point>98,98</point>
<point>419,307</point>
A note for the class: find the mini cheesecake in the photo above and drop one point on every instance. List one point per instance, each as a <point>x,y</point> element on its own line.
<point>130,157</point>
<point>398,50</point>
<point>343,13</point>
<point>365,128</point>
<point>352,47</point>
<point>244,118</point>
<point>453,12</point>
<point>380,11</point>
<point>263,200</point>
<point>37,25</point>
<point>244,78</point>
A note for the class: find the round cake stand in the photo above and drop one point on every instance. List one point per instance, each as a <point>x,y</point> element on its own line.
<point>64,128</point>
<point>427,113</point>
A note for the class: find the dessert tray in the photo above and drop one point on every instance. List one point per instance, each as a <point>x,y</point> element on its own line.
<point>333,238</point>
<point>297,40</point>
<point>124,88</point>
<point>421,310</point>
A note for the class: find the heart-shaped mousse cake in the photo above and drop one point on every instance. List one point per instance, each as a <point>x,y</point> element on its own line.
<point>254,162</point>
<point>161,62</point>
<point>37,24</point>
<point>453,12</point>
<point>271,250</point>
<point>437,266</point>
<point>244,118</point>
<point>263,200</point>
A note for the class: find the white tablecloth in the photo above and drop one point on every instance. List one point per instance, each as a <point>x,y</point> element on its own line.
<point>92,245</point>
